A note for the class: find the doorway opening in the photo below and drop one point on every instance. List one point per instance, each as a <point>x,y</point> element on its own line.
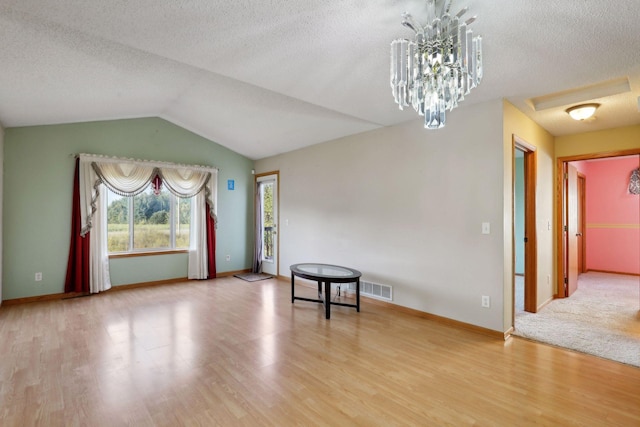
<point>266,231</point>
<point>600,317</point>
<point>572,223</point>
<point>524,219</point>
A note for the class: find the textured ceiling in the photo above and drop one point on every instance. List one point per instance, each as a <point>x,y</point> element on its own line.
<point>266,77</point>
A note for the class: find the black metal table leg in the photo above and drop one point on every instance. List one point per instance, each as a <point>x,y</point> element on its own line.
<point>327,299</point>
<point>327,274</point>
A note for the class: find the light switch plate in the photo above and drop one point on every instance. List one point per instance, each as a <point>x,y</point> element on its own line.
<point>486,228</point>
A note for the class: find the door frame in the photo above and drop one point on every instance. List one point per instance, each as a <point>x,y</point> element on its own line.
<point>560,162</point>
<point>277,231</point>
<point>531,245</point>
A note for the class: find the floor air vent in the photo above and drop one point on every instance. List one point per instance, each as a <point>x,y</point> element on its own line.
<point>374,290</point>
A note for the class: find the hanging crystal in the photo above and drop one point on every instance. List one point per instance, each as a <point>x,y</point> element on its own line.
<point>434,72</point>
<point>478,59</point>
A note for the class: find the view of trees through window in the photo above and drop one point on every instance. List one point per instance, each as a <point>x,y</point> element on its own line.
<point>158,221</point>
<point>267,220</point>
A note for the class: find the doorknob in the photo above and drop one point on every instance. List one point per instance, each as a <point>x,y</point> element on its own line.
<point>579,234</point>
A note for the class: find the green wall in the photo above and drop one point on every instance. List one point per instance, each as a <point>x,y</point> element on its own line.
<point>38,179</point>
<point>519,214</point>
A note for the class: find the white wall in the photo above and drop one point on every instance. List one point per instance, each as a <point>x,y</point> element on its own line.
<point>1,199</point>
<point>405,205</point>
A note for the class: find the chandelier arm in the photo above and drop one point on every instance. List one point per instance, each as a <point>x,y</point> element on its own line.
<point>446,7</point>
<point>409,22</point>
<point>462,12</point>
<point>431,11</point>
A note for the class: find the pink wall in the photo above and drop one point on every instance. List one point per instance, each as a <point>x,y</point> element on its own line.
<point>612,216</point>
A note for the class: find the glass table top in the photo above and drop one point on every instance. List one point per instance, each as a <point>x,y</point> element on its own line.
<point>325,270</point>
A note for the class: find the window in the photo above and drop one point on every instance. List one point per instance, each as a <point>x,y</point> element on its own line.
<point>147,222</point>
<point>267,220</point>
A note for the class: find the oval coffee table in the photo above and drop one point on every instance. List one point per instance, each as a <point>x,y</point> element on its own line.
<point>328,274</point>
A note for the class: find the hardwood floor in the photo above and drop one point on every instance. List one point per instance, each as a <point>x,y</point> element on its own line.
<point>228,352</point>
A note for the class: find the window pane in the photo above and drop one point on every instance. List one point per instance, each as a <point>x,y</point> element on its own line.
<point>267,220</point>
<point>151,225</point>
<point>156,219</point>
<point>183,219</point>
<point>117,223</point>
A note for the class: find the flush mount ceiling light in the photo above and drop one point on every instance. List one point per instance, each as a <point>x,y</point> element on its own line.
<point>582,111</point>
<point>435,71</point>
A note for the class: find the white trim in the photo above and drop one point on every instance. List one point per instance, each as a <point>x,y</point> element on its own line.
<point>522,144</point>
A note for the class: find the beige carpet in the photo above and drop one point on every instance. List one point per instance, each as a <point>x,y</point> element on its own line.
<point>601,318</point>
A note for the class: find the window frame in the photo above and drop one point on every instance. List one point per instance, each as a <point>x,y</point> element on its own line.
<point>132,251</point>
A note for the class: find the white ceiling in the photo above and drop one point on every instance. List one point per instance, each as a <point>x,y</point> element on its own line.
<point>270,76</point>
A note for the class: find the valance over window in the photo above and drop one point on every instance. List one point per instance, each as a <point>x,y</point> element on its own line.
<point>129,177</point>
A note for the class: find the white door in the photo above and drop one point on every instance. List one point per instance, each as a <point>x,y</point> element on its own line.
<point>571,230</point>
<point>268,187</point>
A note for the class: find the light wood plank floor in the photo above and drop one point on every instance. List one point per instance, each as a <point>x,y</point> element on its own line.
<point>228,352</point>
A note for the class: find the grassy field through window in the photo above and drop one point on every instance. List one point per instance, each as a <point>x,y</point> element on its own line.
<point>150,217</point>
<point>146,236</point>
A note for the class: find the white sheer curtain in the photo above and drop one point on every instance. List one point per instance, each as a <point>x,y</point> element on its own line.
<point>93,218</point>
<point>99,279</point>
<point>198,262</point>
<point>129,177</point>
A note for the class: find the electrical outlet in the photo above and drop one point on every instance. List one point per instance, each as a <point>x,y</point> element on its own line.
<point>228,257</point>
<point>486,301</point>
<point>38,277</point>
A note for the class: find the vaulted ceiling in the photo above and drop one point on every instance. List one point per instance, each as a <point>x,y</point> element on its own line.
<point>270,76</point>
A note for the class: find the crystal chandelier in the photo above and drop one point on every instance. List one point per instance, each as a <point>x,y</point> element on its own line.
<point>439,67</point>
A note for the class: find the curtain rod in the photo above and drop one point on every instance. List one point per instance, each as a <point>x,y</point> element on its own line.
<point>154,163</point>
